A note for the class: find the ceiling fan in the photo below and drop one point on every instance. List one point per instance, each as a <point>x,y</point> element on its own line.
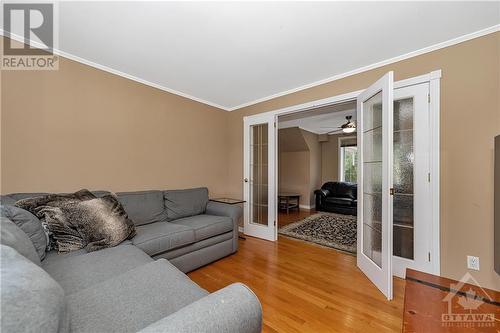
<point>348,127</point>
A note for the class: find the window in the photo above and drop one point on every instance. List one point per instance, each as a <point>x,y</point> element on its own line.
<point>348,160</point>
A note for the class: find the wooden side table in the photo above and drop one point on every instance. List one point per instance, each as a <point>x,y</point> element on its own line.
<point>287,201</point>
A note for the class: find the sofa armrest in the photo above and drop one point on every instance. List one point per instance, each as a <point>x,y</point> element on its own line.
<point>322,192</point>
<point>234,308</point>
<point>222,209</point>
<point>232,211</point>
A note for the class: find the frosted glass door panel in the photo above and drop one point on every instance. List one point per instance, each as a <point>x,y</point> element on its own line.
<point>372,178</point>
<point>404,160</point>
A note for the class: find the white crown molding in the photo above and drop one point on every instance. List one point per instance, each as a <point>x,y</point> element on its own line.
<point>412,54</point>
<point>113,71</point>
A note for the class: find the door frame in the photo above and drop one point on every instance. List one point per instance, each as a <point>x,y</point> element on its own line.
<point>434,79</point>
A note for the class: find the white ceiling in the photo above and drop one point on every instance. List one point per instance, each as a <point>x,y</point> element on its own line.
<point>322,120</point>
<point>231,54</point>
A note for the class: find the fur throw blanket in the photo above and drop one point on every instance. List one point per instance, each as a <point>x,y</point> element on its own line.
<point>81,220</point>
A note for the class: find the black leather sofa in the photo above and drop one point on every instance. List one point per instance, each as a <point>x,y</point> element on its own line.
<point>337,197</point>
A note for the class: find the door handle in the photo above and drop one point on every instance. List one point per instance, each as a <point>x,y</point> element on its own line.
<point>246,180</point>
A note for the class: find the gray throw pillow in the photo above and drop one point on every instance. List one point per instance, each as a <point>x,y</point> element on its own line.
<point>31,300</point>
<point>11,235</point>
<point>28,223</point>
<point>81,220</point>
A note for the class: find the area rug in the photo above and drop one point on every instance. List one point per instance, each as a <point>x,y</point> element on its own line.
<point>333,230</point>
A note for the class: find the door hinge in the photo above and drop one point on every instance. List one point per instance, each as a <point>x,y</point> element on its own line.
<point>274,124</point>
<point>429,177</point>
<point>274,222</point>
<point>391,191</point>
<point>429,98</point>
<point>429,256</point>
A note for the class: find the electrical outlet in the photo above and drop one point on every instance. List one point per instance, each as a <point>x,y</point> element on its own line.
<point>473,263</point>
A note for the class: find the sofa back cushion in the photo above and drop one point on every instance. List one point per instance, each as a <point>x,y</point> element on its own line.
<point>184,203</point>
<point>341,189</point>
<point>11,235</point>
<point>31,300</point>
<point>11,199</point>
<point>28,223</point>
<point>143,207</point>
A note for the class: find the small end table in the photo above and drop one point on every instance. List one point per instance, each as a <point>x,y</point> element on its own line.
<point>230,201</point>
<point>288,201</point>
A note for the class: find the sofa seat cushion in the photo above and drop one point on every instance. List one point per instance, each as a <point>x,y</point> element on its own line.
<point>143,207</point>
<point>159,237</point>
<point>77,272</point>
<point>133,300</point>
<point>339,201</point>
<point>206,226</point>
<point>195,246</point>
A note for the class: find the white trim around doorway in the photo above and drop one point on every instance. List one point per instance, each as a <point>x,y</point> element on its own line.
<point>433,78</point>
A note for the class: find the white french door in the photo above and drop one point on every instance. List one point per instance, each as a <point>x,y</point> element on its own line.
<point>375,174</point>
<point>412,205</point>
<point>259,183</point>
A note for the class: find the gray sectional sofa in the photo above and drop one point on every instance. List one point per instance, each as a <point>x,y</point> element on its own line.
<point>138,285</point>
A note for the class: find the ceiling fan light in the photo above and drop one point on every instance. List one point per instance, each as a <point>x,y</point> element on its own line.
<point>349,129</point>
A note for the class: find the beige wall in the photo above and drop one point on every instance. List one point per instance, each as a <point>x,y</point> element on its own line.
<point>330,159</point>
<point>314,164</point>
<point>294,171</point>
<point>299,163</point>
<point>81,127</point>
<point>469,93</point>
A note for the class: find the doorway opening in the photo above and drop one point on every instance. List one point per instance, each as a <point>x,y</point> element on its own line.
<point>395,187</point>
<point>311,147</point>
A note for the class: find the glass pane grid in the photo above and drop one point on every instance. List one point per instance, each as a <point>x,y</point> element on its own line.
<point>259,174</point>
<point>403,174</point>
<point>373,129</point>
<point>372,176</point>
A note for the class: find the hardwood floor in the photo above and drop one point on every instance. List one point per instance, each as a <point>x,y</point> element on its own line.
<point>306,288</point>
<point>293,216</point>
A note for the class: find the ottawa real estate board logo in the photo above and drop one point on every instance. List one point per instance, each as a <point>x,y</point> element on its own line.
<point>30,37</point>
<point>470,307</point>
